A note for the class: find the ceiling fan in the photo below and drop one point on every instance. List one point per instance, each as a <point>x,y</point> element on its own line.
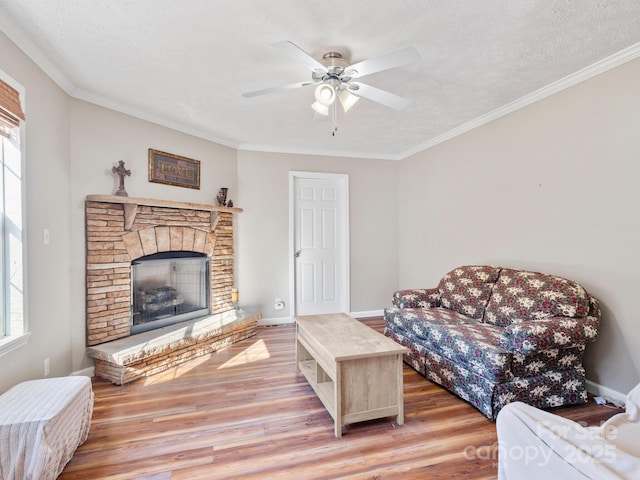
<point>335,79</point>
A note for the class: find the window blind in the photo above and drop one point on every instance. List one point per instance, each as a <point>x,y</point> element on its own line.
<point>10,110</point>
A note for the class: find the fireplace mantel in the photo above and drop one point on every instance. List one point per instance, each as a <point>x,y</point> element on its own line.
<point>130,205</point>
<point>161,203</point>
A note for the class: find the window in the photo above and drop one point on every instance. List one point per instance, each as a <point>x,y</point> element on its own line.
<point>13,328</point>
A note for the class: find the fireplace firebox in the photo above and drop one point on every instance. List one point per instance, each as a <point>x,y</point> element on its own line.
<point>168,288</point>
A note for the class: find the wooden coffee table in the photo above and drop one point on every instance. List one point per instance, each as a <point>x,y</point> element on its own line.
<point>355,371</point>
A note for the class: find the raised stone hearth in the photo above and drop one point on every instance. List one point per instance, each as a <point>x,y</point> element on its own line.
<point>127,359</point>
<point>120,230</point>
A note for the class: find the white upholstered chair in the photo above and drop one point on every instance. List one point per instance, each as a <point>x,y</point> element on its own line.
<point>535,444</point>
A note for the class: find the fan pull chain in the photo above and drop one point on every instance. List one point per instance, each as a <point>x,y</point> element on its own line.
<point>334,115</point>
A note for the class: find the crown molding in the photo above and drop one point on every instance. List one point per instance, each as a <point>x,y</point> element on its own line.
<point>17,36</point>
<point>615,60</point>
<point>326,153</point>
<point>126,109</point>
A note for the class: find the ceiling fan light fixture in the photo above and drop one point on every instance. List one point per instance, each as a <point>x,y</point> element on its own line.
<point>333,77</point>
<point>320,108</point>
<point>347,100</point>
<point>325,94</point>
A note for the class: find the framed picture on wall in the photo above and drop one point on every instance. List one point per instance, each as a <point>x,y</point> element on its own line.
<point>173,169</point>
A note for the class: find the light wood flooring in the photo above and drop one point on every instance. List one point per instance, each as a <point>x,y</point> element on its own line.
<point>244,413</point>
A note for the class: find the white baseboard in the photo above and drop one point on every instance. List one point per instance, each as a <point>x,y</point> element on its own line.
<point>600,391</point>
<point>370,313</point>
<point>275,321</point>
<point>85,372</point>
<point>286,320</point>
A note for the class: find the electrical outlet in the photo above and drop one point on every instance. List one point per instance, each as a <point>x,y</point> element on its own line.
<point>46,367</point>
<point>279,304</point>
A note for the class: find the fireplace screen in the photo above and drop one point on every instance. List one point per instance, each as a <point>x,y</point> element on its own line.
<point>168,288</point>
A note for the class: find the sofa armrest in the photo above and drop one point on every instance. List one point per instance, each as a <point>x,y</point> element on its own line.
<point>417,298</point>
<point>555,332</point>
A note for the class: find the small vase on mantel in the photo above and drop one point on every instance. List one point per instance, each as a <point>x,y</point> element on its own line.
<point>222,197</point>
<point>234,299</point>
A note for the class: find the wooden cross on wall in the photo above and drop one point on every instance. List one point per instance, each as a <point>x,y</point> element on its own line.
<point>121,172</point>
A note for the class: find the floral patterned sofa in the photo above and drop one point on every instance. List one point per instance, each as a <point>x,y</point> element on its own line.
<point>495,335</point>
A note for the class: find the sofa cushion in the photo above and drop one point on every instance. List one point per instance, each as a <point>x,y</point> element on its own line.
<point>417,321</point>
<point>467,289</point>
<point>555,332</point>
<point>474,345</point>
<point>457,378</point>
<point>520,296</point>
<point>416,354</point>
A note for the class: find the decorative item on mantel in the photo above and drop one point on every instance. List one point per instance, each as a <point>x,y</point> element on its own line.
<point>234,299</point>
<point>121,171</point>
<point>221,198</point>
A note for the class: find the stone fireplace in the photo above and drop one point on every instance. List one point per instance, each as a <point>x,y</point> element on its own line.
<point>122,232</point>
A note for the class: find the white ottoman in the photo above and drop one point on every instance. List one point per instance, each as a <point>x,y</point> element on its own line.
<point>42,422</point>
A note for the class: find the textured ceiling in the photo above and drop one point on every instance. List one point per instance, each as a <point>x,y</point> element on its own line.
<point>186,63</point>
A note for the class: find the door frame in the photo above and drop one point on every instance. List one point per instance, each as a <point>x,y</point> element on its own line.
<point>344,178</point>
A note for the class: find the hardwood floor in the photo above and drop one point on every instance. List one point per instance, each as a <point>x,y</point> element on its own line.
<point>245,413</point>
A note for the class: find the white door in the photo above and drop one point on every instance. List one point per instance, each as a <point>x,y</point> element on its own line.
<point>320,243</point>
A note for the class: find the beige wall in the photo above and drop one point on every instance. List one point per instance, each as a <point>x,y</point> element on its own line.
<point>554,187</point>
<point>263,228</point>
<point>46,137</point>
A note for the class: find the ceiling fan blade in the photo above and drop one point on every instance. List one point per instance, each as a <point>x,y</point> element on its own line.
<point>317,117</point>
<point>383,62</point>
<point>279,88</point>
<point>294,52</point>
<point>388,99</point>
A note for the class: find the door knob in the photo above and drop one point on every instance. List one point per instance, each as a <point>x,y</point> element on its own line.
<point>298,252</point>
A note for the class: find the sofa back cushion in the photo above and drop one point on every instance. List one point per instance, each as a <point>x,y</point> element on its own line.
<point>520,296</point>
<point>466,290</point>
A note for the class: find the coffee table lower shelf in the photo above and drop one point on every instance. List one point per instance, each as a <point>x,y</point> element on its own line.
<point>324,389</point>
